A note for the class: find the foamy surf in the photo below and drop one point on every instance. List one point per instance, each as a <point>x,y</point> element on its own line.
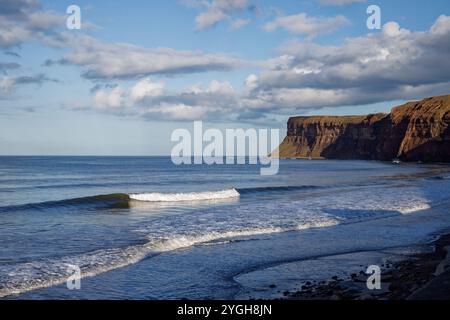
<point>414,208</point>
<point>181,242</point>
<point>189,196</point>
<point>323,223</point>
<point>49,273</point>
<point>54,272</point>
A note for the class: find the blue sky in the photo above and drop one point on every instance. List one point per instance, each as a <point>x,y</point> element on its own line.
<point>139,69</point>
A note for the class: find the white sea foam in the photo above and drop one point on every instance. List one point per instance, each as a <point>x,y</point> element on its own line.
<point>30,276</point>
<point>414,208</point>
<point>323,223</point>
<point>36,275</point>
<point>181,242</point>
<point>189,196</point>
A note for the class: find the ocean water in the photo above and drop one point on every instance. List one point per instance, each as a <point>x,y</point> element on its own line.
<point>143,228</point>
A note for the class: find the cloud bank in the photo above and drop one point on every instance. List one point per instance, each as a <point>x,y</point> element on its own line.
<point>125,61</point>
<point>131,80</point>
<point>393,64</point>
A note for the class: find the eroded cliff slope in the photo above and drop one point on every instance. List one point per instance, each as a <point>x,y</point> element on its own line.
<point>415,131</point>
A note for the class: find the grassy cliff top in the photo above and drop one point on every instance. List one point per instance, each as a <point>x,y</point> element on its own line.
<point>435,107</point>
<point>337,119</point>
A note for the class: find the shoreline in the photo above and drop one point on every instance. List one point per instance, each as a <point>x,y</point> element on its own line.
<point>420,276</point>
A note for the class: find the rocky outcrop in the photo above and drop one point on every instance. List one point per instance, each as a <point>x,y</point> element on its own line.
<point>415,131</point>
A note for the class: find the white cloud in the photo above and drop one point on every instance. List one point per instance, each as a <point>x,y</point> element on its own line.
<point>114,98</point>
<point>209,18</point>
<point>44,21</point>
<point>146,88</point>
<point>121,61</point>
<point>215,11</point>
<point>251,83</point>
<point>220,87</point>
<point>304,24</point>
<point>9,83</point>
<point>392,29</point>
<point>151,100</point>
<point>22,20</point>
<point>393,64</point>
<point>6,84</point>
<point>441,26</point>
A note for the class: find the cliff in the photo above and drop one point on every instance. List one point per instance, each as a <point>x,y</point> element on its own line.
<point>415,131</point>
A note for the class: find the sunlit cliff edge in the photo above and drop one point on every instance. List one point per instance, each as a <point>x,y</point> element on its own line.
<point>415,131</point>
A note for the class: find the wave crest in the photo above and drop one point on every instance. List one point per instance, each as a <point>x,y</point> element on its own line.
<point>189,196</point>
<point>414,208</point>
<point>50,272</point>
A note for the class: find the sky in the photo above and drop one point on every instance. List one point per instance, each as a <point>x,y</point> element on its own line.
<point>137,70</point>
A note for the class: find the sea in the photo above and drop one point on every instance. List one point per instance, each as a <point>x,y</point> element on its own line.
<point>144,228</point>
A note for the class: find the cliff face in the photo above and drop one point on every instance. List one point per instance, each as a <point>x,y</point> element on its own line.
<point>416,131</point>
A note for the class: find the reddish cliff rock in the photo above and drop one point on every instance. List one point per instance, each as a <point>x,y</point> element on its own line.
<point>415,131</point>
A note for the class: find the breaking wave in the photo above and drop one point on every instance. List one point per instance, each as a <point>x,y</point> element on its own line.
<point>190,196</point>
<point>122,200</point>
<point>414,208</point>
<point>51,272</point>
